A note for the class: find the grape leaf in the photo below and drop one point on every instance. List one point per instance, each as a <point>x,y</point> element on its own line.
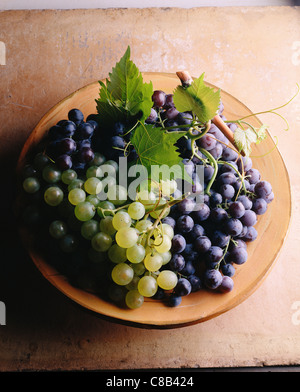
<point>155,147</point>
<point>124,95</point>
<point>243,138</point>
<point>198,98</point>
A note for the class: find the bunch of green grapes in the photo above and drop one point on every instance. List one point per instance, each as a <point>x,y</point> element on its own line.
<point>127,236</point>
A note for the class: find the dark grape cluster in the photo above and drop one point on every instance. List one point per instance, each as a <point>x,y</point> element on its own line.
<point>211,238</point>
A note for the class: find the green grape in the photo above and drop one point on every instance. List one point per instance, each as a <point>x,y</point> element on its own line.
<point>166,256</point>
<point>98,160</point>
<point>68,243</point>
<point>93,185</point>
<point>121,219</point>
<point>167,280</point>
<point>112,164</point>
<point>148,199</point>
<point>106,225</point>
<point>147,286</point>
<point>162,244</point>
<point>67,176</point>
<point>58,229</point>
<point>126,237</point>
<point>101,242</point>
<point>122,274</point>
<point>168,187</point>
<point>117,293</point>
<point>143,225</point>
<point>77,183</point>
<point>164,228</point>
<point>94,171</point>
<point>51,174</point>
<point>40,160</point>
<point>136,210</point>
<point>136,253</point>
<point>84,211</point>
<point>106,205</point>
<point>139,268</point>
<point>93,199</point>
<point>108,182</point>
<point>96,257</point>
<point>116,254</point>
<point>134,299</point>
<point>153,262</point>
<point>53,196</point>
<point>76,196</point>
<point>89,228</point>
<point>117,194</point>
<point>134,283</point>
<point>31,185</point>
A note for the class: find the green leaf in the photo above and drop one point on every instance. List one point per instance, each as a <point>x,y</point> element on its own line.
<point>261,133</point>
<point>155,148</point>
<point>124,95</point>
<point>198,98</point>
<point>243,138</point>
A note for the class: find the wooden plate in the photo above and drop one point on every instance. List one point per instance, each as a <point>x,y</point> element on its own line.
<point>203,305</point>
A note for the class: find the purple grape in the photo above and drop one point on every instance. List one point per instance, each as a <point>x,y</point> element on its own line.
<point>219,238</point>
<point>212,279</point>
<point>236,209</point>
<point>226,285</point>
<point>228,269</point>
<point>251,234</point>
<point>244,164</point>
<point>188,269</point>
<point>202,213</point>
<point>259,206</point>
<point>208,172</point>
<point>174,300</point>
<point>76,116</point>
<point>158,98</point>
<point>229,154</point>
<point>214,254</point>
<point>152,118</point>
<point>64,162</point>
<point>247,203</point>
<point>169,101</point>
<point>178,243</point>
<point>208,142</point>
<point>215,199</point>
<point>85,154</point>
<point>183,287</point>
<point>169,221</point>
<point>202,244</point>
<point>217,151</point>
<point>253,176</point>
<point>249,218</point>
<point>238,255</point>
<point>67,146</point>
<point>233,226</point>
<point>184,119</point>
<point>227,178</point>
<point>84,131</point>
<point>197,231</point>
<point>269,198</point>
<point>186,206</point>
<point>218,214</point>
<point>184,224</point>
<point>263,189</point>
<point>195,282</point>
<point>227,191</point>
<point>177,262</point>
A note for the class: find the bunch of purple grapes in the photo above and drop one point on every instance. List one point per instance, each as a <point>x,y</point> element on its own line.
<point>211,237</point>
